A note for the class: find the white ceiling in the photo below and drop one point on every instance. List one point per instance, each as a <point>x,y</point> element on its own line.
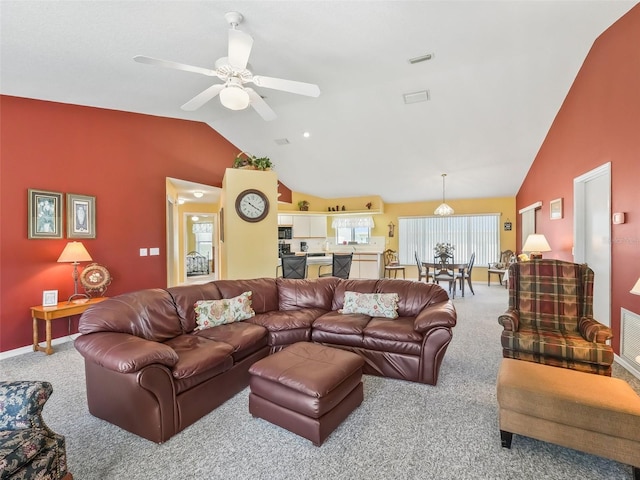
<point>500,72</point>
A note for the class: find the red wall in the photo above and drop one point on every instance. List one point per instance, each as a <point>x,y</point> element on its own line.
<point>599,122</point>
<point>121,158</point>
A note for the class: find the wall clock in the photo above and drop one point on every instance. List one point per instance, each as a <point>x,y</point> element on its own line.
<point>252,205</point>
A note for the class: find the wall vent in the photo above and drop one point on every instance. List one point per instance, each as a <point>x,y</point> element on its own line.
<point>282,141</point>
<point>630,337</point>
<point>416,97</point>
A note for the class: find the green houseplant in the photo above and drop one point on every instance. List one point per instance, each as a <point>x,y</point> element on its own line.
<point>245,160</point>
<point>303,205</point>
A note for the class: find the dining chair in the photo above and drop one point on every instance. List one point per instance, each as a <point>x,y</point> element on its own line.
<point>294,266</point>
<point>340,266</point>
<point>423,271</point>
<point>391,264</point>
<point>501,266</point>
<point>466,274</point>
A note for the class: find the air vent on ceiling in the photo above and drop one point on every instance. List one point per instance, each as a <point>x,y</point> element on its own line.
<point>421,58</point>
<point>282,141</point>
<point>416,97</point>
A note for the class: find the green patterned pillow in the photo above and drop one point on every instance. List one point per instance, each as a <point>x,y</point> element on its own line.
<point>372,304</point>
<point>211,313</point>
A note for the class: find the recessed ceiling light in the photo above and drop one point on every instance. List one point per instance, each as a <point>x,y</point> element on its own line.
<point>195,218</point>
<point>198,194</point>
<point>181,201</point>
<point>306,134</point>
<point>421,58</point>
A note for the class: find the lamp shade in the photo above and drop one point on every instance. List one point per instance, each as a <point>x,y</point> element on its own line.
<point>536,243</point>
<point>74,252</point>
<point>636,288</point>
<point>234,98</point>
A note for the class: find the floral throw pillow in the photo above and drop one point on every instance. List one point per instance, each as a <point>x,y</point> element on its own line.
<point>211,313</point>
<point>372,304</point>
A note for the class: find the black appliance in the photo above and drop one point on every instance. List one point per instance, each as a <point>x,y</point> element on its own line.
<point>284,249</point>
<point>304,247</point>
<point>285,233</point>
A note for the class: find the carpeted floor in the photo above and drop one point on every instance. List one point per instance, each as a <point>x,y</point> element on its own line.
<point>401,431</point>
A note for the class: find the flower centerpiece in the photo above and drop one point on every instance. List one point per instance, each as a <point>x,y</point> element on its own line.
<point>444,250</point>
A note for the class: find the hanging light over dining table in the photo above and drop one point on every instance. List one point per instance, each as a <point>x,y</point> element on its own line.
<point>443,209</point>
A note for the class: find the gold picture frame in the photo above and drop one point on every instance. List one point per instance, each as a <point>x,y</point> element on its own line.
<point>81,216</point>
<point>555,209</point>
<point>44,214</point>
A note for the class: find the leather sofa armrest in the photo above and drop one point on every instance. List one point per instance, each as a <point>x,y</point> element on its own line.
<point>124,353</point>
<point>441,314</point>
<point>510,320</point>
<point>594,331</point>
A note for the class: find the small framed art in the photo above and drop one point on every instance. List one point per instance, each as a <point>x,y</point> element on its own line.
<point>50,298</point>
<point>555,209</point>
<point>81,216</point>
<point>45,214</point>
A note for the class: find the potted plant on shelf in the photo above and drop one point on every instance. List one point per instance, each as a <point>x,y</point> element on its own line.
<point>244,160</point>
<point>303,205</point>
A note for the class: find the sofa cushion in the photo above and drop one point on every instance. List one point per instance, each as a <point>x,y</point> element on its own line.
<point>211,313</point>
<point>372,304</point>
<point>413,296</point>
<point>399,329</point>
<point>185,297</point>
<point>197,354</point>
<point>351,324</point>
<point>149,314</point>
<point>244,337</point>
<point>295,294</point>
<point>287,320</point>
<point>264,296</point>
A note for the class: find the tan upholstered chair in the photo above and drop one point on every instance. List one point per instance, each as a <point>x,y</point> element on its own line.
<point>550,317</point>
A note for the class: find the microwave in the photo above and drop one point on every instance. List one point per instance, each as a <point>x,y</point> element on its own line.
<point>285,233</point>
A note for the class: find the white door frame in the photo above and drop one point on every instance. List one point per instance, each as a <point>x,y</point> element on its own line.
<point>603,286</point>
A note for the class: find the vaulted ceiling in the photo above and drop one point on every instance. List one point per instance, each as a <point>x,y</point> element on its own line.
<point>498,75</point>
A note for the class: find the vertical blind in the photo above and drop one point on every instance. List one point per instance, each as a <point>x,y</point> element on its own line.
<point>467,233</point>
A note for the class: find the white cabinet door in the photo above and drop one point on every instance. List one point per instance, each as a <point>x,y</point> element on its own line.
<point>355,267</point>
<point>369,266</point>
<point>285,220</point>
<point>318,226</point>
<point>307,226</point>
<point>300,226</point>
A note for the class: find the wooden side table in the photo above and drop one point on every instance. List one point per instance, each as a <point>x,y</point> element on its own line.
<point>62,310</point>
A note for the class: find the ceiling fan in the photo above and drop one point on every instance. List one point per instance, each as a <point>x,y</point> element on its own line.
<point>234,71</point>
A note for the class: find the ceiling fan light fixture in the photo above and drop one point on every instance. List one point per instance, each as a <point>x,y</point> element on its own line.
<point>234,97</point>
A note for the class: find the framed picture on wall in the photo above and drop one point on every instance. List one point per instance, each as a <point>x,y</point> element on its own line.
<point>81,216</point>
<point>555,209</point>
<point>44,214</point>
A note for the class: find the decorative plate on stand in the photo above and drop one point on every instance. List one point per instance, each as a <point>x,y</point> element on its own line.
<point>95,279</point>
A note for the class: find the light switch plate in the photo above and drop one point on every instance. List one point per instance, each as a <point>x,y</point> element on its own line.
<point>143,252</point>
<point>618,218</point>
<point>154,251</point>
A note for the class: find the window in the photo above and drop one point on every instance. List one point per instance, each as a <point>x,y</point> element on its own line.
<point>203,233</point>
<point>351,230</point>
<point>467,233</point>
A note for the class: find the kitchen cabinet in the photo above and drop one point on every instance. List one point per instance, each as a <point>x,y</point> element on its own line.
<point>308,226</point>
<point>285,220</point>
<point>366,265</point>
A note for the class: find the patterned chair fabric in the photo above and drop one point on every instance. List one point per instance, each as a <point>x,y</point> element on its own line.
<point>550,317</point>
<point>28,448</point>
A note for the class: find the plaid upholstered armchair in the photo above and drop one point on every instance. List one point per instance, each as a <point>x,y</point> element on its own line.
<point>550,317</point>
<point>28,448</point>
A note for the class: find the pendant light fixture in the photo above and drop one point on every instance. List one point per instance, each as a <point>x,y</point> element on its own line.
<point>444,209</point>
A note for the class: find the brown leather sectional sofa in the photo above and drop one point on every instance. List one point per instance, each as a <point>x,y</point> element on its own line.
<point>149,372</point>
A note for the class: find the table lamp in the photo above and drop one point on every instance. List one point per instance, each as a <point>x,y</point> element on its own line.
<point>536,244</point>
<point>75,253</point>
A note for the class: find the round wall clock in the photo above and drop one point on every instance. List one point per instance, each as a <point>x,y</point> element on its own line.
<point>95,278</point>
<point>252,205</point>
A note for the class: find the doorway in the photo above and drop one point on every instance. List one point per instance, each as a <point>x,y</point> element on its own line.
<point>592,234</point>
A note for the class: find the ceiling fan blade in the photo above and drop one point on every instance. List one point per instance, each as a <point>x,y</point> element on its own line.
<point>260,106</point>
<point>301,88</point>
<point>203,97</point>
<point>240,44</point>
<point>174,65</point>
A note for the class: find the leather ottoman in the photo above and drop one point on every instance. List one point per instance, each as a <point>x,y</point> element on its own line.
<point>308,389</point>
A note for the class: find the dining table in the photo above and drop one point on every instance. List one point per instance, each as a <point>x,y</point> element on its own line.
<point>446,272</point>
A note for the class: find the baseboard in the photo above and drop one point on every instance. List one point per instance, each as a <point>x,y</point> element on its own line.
<point>29,348</point>
<point>632,369</point>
